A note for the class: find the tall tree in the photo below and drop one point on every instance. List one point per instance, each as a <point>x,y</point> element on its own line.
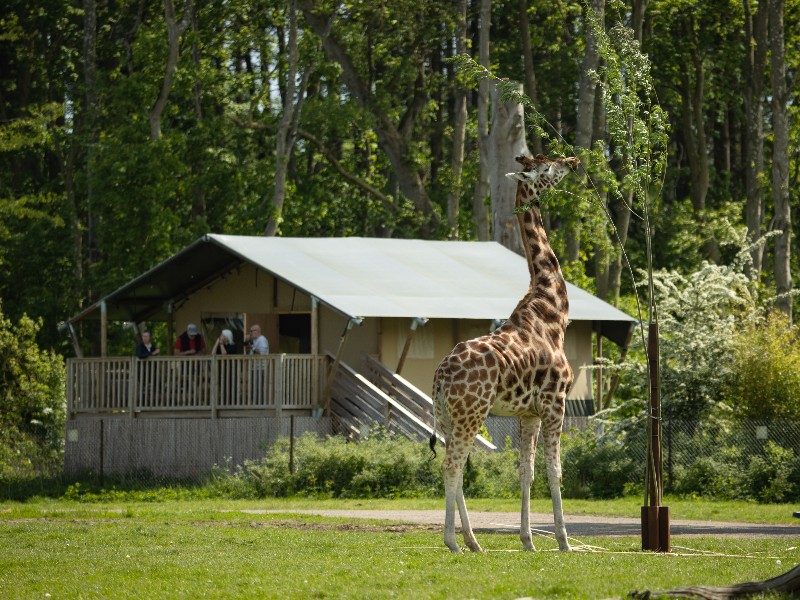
<point>480,213</point>
<point>755,58</point>
<point>780,157</point>
<point>290,116</point>
<point>506,141</point>
<point>396,118</point>
<point>459,126</point>
<point>175,27</point>
<point>531,87</point>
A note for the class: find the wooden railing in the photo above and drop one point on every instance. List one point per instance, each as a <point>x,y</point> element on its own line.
<point>406,395</point>
<point>168,384</point>
<point>357,404</point>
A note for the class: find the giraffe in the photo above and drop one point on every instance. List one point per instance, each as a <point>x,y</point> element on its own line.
<point>519,369</point>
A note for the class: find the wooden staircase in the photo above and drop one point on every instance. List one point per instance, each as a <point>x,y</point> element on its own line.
<point>378,395</point>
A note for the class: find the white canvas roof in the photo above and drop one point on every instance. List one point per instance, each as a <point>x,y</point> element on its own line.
<point>359,277</point>
<point>378,277</point>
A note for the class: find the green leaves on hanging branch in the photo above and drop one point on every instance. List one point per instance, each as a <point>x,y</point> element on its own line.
<point>637,125</point>
<point>473,73</point>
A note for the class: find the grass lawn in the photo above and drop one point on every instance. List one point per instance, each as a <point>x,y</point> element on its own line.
<point>190,548</point>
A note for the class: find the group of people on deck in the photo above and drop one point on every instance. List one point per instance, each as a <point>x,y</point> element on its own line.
<point>191,343</point>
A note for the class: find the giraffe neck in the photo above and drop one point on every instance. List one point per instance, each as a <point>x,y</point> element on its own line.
<point>548,289</point>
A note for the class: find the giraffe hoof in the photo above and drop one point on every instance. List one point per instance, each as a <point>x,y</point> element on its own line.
<point>565,548</point>
<point>529,547</point>
<point>476,548</point>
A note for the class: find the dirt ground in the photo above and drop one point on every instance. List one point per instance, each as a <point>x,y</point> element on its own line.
<point>577,525</point>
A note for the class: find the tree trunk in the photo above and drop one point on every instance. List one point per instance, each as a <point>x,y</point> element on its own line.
<point>459,128</point>
<point>174,31</point>
<point>780,157</point>
<point>530,75</point>
<point>694,137</point>
<point>622,220</point>
<point>584,128</point>
<point>506,141</point>
<point>287,128</point>
<point>89,119</point>
<point>480,212</point>
<point>394,140</point>
<point>754,66</point>
<point>620,214</point>
<point>586,85</point>
<point>602,257</point>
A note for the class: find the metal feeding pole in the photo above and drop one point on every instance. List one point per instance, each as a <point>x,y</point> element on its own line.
<point>655,518</point>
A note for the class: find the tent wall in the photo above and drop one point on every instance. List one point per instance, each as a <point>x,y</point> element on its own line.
<point>261,298</point>
<point>436,339</point>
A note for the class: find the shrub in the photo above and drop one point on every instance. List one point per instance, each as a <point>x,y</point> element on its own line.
<point>768,476</point>
<point>595,467</point>
<point>32,402</point>
<point>766,370</point>
<point>378,466</point>
<point>382,465</point>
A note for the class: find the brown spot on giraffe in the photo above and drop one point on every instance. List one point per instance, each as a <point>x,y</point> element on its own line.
<point>522,368</point>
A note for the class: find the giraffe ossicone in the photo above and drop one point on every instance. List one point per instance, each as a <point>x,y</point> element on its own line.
<point>520,369</point>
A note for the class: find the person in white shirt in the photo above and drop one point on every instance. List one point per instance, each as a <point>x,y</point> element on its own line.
<point>256,343</point>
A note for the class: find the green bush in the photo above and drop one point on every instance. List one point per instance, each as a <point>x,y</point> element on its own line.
<point>32,403</point>
<point>378,466</point>
<point>766,361</point>
<point>595,467</point>
<point>382,465</point>
<point>707,477</point>
<point>769,476</point>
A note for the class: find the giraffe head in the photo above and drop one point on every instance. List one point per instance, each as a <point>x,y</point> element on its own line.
<point>541,173</point>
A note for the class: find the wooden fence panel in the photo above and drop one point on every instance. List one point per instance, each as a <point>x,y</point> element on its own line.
<point>175,448</point>
<point>179,384</point>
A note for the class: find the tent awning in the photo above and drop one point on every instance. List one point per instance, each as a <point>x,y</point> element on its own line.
<point>359,277</point>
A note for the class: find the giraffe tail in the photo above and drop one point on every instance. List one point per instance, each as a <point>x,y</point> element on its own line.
<point>438,393</point>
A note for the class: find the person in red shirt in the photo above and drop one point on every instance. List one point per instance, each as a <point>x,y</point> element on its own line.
<point>190,342</point>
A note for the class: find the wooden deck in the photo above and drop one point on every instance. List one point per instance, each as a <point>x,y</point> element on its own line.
<point>195,386</point>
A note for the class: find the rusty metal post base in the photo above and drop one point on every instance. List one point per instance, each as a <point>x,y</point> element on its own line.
<point>655,528</point>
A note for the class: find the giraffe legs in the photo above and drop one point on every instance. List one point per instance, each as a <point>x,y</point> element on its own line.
<point>528,436</point>
<point>453,468</point>
<point>552,453</point>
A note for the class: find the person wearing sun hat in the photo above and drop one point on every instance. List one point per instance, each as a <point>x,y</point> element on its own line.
<point>190,342</point>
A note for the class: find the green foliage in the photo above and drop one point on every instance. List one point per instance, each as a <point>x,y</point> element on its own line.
<point>765,370</point>
<point>378,466</point>
<point>382,466</point>
<point>699,316</point>
<point>32,402</point>
<point>767,474</point>
<point>595,467</point>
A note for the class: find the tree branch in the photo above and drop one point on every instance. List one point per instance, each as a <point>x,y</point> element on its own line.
<point>387,201</point>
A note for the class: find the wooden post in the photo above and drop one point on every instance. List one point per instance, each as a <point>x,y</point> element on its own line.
<point>335,366</point>
<point>655,518</point>
<point>136,371</point>
<point>214,395</point>
<point>74,338</point>
<point>280,367</point>
<point>599,370</point>
<point>415,322</point>
<point>103,329</point>
<point>315,399</point>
